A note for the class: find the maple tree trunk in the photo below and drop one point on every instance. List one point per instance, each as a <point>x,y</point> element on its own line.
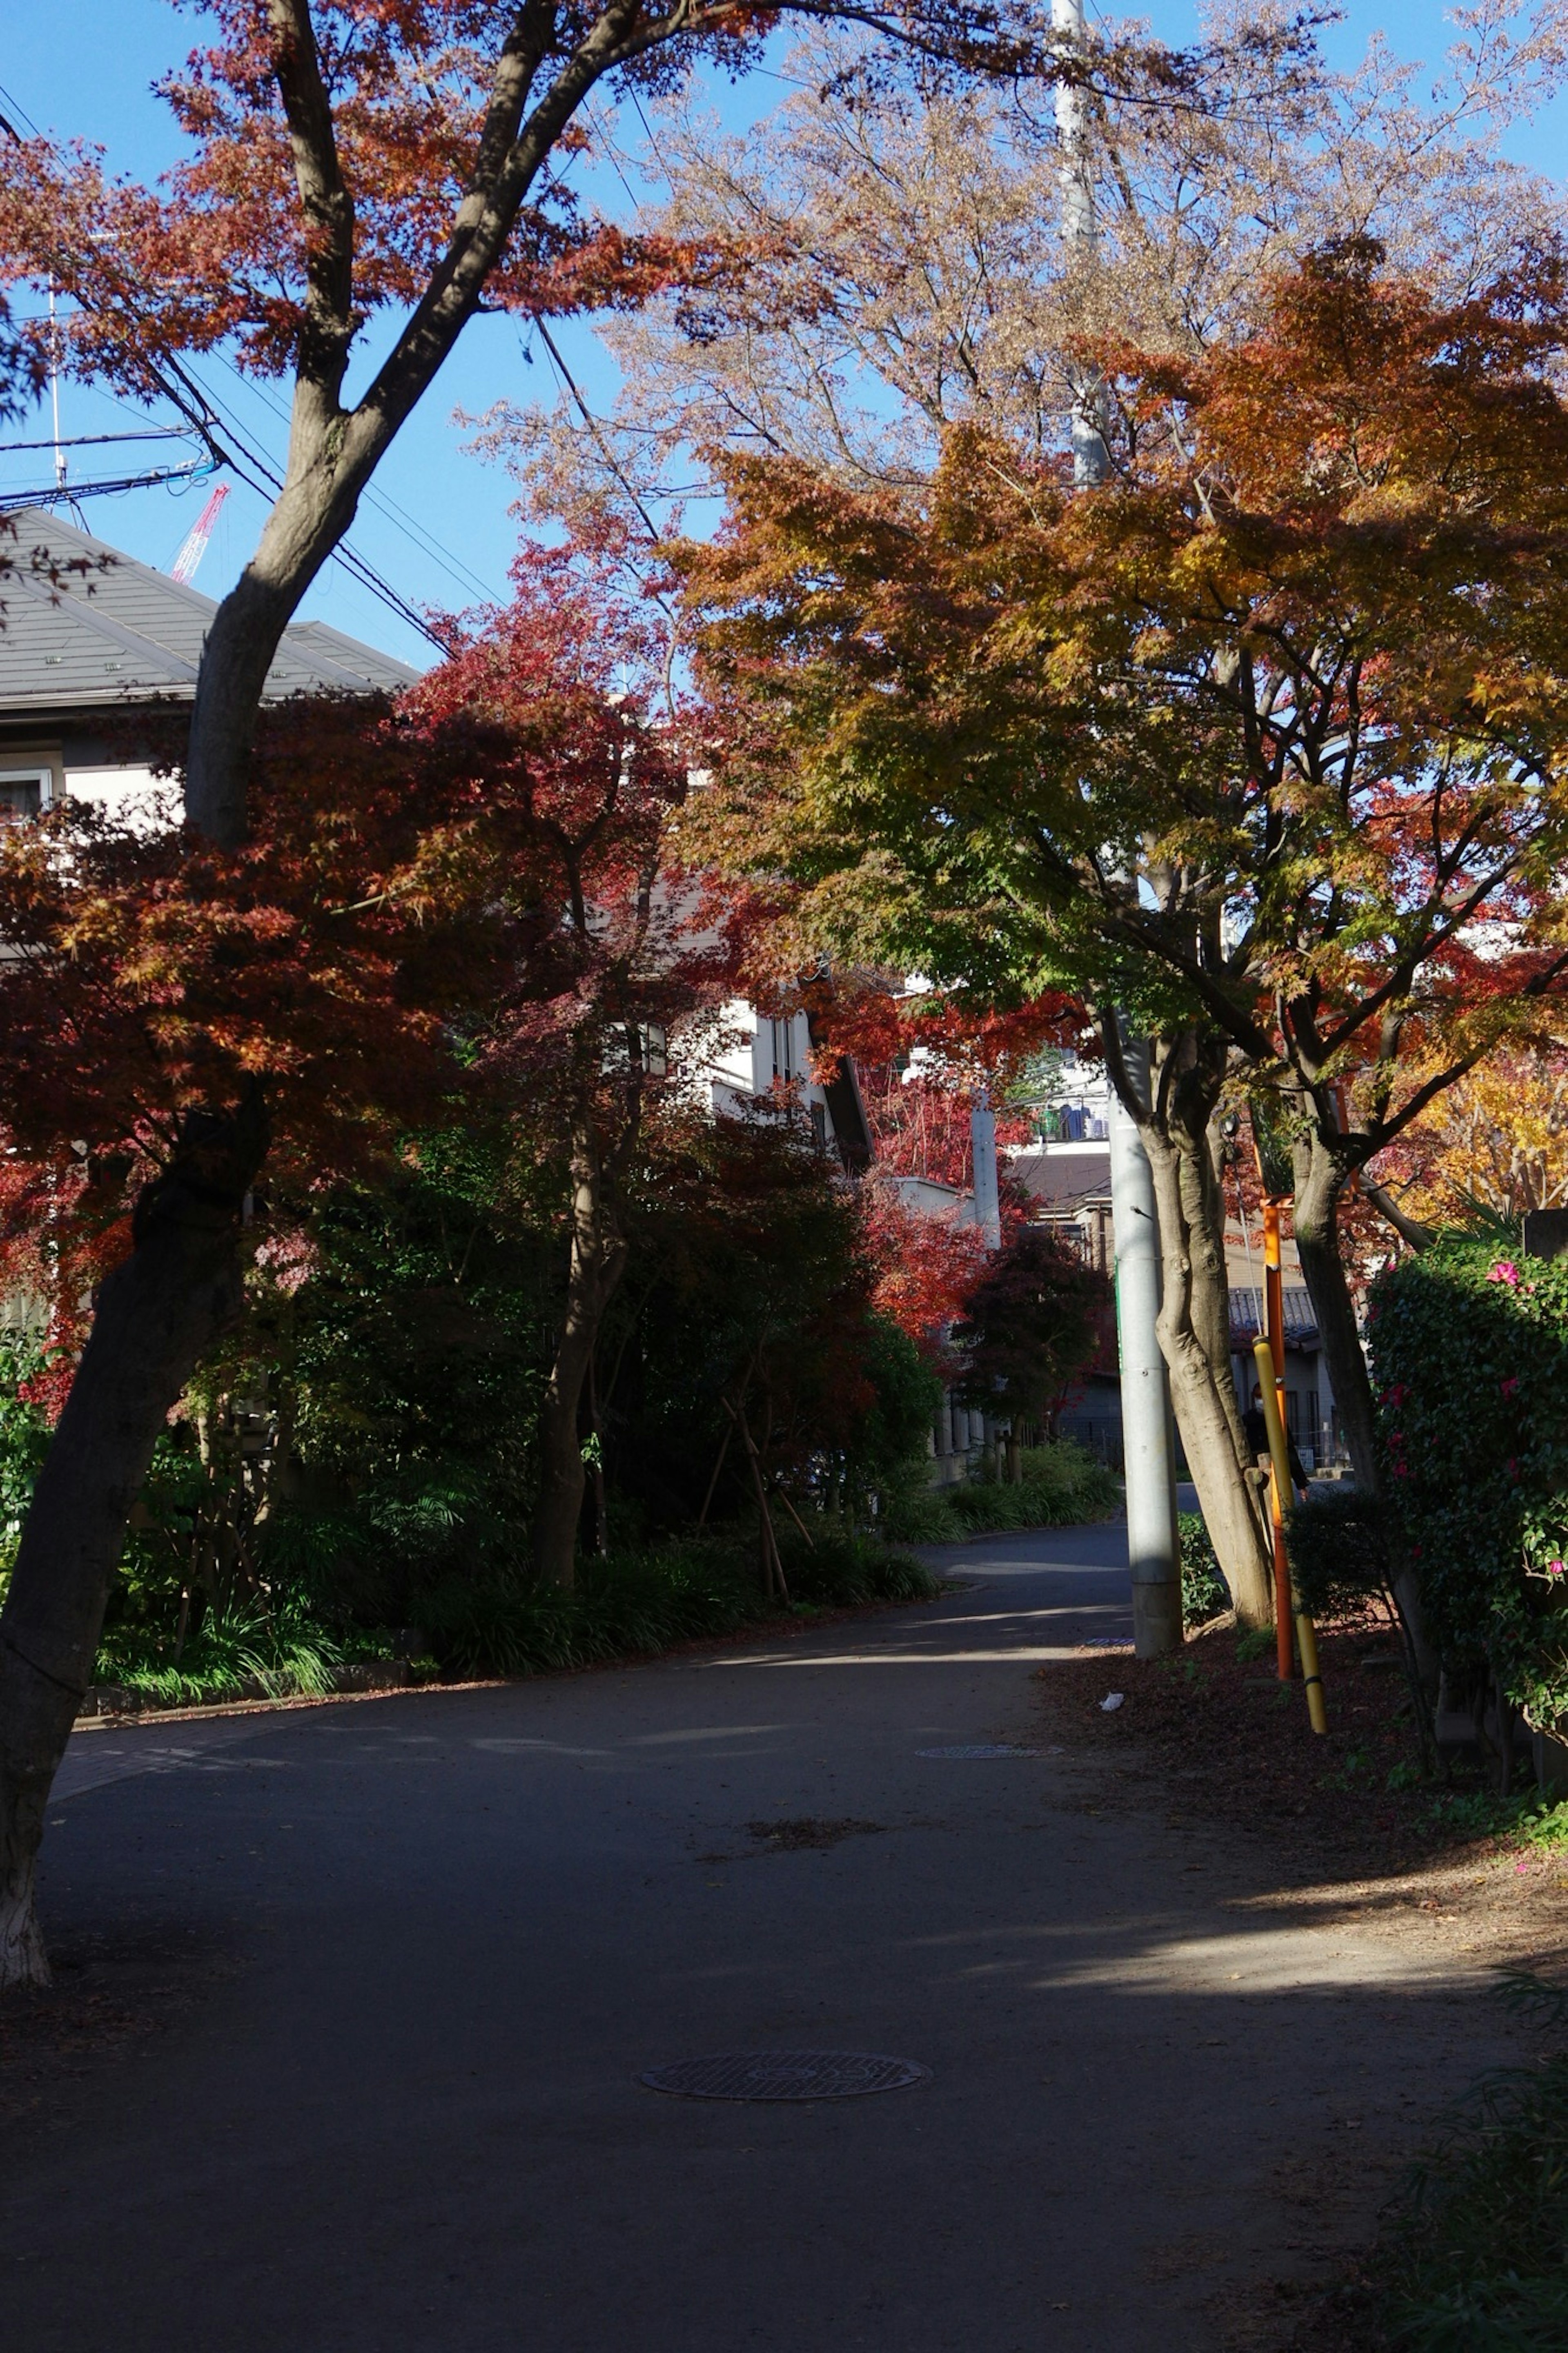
<point>1193,1330</point>
<point>313,512</point>
<point>1320,1179</point>
<point>598,1259</point>
<point>1193,1322</point>
<point>154,1317</point>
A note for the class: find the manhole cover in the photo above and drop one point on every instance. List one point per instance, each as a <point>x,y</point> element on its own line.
<point>992,1749</point>
<point>785,2076</point>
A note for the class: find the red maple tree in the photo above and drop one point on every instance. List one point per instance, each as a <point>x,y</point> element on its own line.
<point>349,161</point>
<point>468,896</point>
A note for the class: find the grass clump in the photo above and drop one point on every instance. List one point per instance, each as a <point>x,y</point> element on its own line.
<point>1529,1820</point>
<point>1476,2257</point>
<point>246,1652</point>
<point>1545,1827</point>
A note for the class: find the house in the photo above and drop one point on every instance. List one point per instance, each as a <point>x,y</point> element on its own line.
<point>80,651</point>
<point>91,634</point>
<point>763,1055</point>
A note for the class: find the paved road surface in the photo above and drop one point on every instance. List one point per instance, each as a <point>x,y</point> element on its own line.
<point>404,2116</point>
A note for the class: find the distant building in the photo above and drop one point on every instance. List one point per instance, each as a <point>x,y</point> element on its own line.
<point>1068,1174</point>
<point>763,1054</point>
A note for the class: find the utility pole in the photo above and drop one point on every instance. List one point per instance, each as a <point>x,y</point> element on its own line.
<point>982,1152</point>
<point>1147,1442</point>
<point>60,490</point>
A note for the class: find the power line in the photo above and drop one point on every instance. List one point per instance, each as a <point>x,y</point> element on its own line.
<point>16,108</point>
<point>93,440</point>
<point>597,430</point>
<point>412,528</point>
<point>203,410</point>
<point>71,491</point>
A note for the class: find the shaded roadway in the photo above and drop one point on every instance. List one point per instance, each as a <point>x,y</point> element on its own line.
<point>402,2117</point>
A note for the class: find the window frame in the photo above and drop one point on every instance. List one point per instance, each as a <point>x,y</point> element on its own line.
<point>29,772</point>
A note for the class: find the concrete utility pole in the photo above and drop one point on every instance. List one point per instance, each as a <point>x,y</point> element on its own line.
<point>1147,1443</point>
<point>1147,1447</point>
<point>987,1194</point>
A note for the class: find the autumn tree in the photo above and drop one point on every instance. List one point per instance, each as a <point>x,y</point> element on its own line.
<point>347,163</point>
<point>560,708</point>
<point>775,1324</point>
<point>171,1013</point>
<point>1298,666</point>
<point>909,278</point>
<point>1494,1145</point>
<point>450,912</point>
<point>1029,1326</point>
<point>906,271</point>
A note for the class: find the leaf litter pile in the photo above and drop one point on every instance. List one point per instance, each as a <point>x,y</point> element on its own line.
<point>1233,1745</point>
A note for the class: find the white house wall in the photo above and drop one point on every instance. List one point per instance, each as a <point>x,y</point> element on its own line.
<point>135,796</point>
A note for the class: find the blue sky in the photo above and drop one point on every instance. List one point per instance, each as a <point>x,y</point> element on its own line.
<point>436,524</point>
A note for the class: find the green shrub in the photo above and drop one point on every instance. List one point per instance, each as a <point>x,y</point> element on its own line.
<point>23,1435</point>
<point>1062,1486</point>
<point>1204,1593</point>
<point>248,1651</point>
<point>1469,1354</point>
<point>637,1604</point>
<point>914,1512</point>
<point>1338,1550</point>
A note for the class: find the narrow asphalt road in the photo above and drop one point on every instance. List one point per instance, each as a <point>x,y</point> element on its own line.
<point>435,1939</point>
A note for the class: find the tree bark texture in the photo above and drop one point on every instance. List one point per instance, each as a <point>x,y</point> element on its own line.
<point>245,633</point>
<point>1320,1180</point>
<point>156,1317</point>
<point>334,451</point>
<point>598,1257</point>
<point>1194,1338</point>
<point>1193,1325</point>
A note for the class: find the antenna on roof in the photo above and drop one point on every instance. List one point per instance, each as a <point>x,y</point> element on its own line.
<point>183,568</point>
<point>54,392</point>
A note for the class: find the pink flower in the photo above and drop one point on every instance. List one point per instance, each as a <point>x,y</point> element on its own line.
<point>1557,1569</point>
<point>1506,1271</point>
<point>1511,1387</point>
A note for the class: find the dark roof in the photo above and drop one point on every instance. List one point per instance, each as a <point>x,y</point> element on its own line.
<point>120,632</point>
<point>1246,1316</point>
<point>1061,1181</point>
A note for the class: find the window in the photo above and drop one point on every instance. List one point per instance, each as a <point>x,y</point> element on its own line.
<point>786,1064</point>
<point>23,792</point>
<point>1301,1415</point>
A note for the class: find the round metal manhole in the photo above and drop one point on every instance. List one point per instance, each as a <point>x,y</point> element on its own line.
<point>991,1748</point>
<point>785,2076</point>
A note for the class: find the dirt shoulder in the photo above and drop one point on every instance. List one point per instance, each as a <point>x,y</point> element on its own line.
<point>1290,1823</point>
<point>1229,1748</point>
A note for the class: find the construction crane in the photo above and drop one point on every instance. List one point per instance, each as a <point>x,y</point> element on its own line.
<point>183,568</point>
